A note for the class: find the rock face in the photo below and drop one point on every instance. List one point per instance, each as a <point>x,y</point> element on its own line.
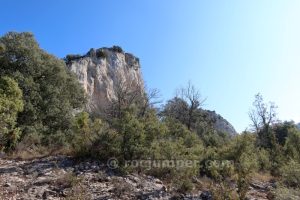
<point>103,71</point>
<point>219,123</point>
<point>298,125</point>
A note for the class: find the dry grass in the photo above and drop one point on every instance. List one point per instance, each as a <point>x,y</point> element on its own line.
<point>37,153</point>
<point>262,177</point>
<point>69,180</point>
<point>7,193</point>
<point>73,187</point>
<point>203,183</point>
<point>121,187</point>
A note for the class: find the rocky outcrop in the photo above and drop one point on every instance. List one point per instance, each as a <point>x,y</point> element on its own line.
<point>61,177</point>
<point>103,71</point>
<point>218,122</point>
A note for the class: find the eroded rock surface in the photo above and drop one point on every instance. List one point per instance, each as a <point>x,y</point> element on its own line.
<point>102,72</point>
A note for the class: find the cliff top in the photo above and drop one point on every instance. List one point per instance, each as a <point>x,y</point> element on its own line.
<point>102,53</point>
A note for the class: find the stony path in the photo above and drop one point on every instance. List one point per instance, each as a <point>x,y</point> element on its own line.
<point>60,177</point>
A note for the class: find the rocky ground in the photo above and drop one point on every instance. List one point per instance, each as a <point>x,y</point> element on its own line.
<point>61,177</point>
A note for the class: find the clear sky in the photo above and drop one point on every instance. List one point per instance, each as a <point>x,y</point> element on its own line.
<point>230,50</point>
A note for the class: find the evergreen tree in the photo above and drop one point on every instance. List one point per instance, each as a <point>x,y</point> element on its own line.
<point>50,92</point>
<point>11,104</point>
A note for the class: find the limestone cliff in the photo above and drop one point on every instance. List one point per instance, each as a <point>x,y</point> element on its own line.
<point>103,70</point>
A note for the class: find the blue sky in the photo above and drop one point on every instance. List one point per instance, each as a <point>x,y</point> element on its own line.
<point>230,50</point>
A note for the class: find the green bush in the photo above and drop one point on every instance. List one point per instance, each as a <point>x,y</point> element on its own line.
<point>133,136</point>
<point>100,53</point>
<point>292,145</point>
<point>281,131</point>
<point>11,103</point>
<point>184,185</point>
<point>263,158</point>
<point>72,57</point>
<point>92,138</point>
<point>284,193</point>
<point>220,170</point>
<point>176,146</point>
<point>50,91</point>
<point>290,174</point>
<point>117,49</point>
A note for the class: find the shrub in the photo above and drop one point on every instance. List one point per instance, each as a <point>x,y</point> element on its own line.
<point>177,149</point>
<point>11,103</point>
<point>106,145</point>
<point>117,49</point>
<point>284,193</point>
<point>222,173</point>
<point>68,180</point>
<point>214,139</point>
<point>292,146</point>
<point>132,133</point>
<point>121,187</point>
<point>72,57</point>
<point>220,170</point>
<point>263,158</point>
<point>100,53</point>
<point>282,130</point>
<point>185,185</point>
<point>290,174</point>
<point>94,138</point>
<point>277,158</point>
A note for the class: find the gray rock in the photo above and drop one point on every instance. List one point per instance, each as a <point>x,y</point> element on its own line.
<point>7,185</point>
<point>206,195</point>
<point>219,123</point>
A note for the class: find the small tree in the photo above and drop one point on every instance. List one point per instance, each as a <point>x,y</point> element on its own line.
<point>263,115</point>
<point>176,108</point>
<point>127,94</point>
<point>132,134</point>
<point>185,107</point>
<point>193,97</point>
<point>148,100</point>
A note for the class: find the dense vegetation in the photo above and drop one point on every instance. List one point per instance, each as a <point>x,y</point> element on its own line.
<point>40,107</point>
<point>48,91</point>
